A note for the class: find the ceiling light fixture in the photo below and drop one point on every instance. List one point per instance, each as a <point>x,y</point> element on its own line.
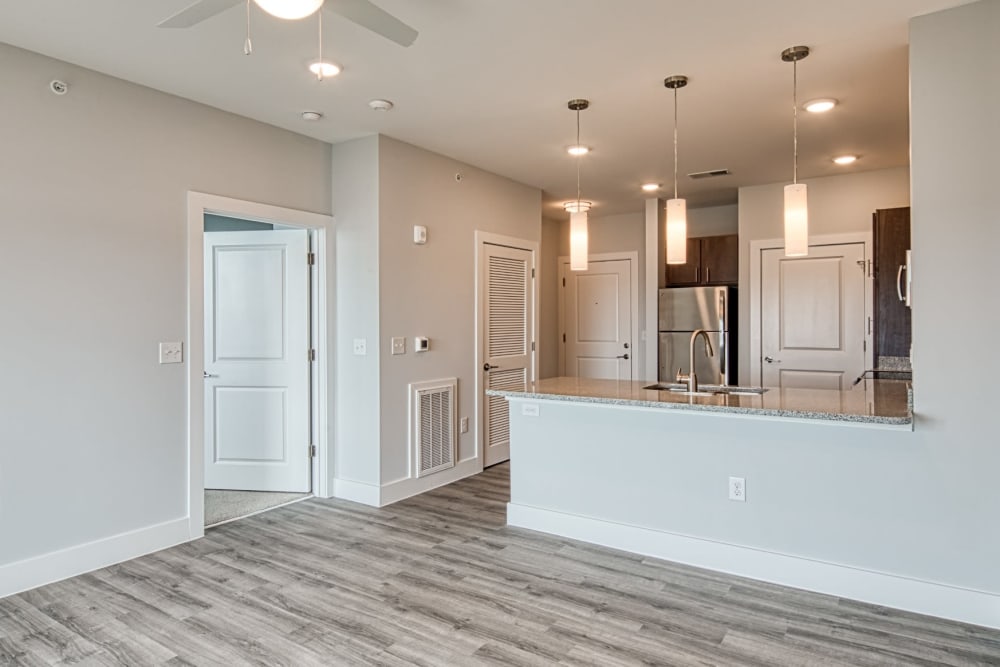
<point>820,105</point>
<point>381,105</point>
<point>845,159</point>
<point>311,115</point>
<point>651,187</point>
<point>577,150</point>
<point>325,70</point>
<point>796,196</point>
<point>578,209</point>
<point>676,207</point>
<point>290,9</point>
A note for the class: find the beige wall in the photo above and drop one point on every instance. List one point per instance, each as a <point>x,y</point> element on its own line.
<point>93,264</point>
<point>837,204</point>
<point>429,290</point>
<point>552,235</point>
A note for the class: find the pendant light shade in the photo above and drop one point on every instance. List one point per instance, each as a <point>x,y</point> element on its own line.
<point>578,235</point>
<point>290,9</point>
<point>676,233</point>
<point>796,221</point>
<point>796,199</point>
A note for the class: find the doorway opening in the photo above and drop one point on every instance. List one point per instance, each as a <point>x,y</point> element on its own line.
<point>259,369</point>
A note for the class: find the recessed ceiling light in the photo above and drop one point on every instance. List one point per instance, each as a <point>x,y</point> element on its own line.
<point>651,187</point>
<point>845,159</point>
<point>820,105</point>
<point>311,115</point>
<point>578,150</point>
<point>325,69</point>
<point>380,105</point>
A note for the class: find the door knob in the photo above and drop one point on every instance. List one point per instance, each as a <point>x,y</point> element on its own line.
<point>626,346</point>
<point>622,356</point>
<point>488,367</point>
<point>209,375</point>
<point>771,360</point>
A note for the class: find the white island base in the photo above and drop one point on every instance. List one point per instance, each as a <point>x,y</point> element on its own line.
<point>655,481</point>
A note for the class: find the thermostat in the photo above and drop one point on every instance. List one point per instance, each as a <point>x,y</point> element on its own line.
<point>421,344</point>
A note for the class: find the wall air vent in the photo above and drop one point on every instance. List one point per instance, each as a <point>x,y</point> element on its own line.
<point>432,425</point>
<point>711,173</point>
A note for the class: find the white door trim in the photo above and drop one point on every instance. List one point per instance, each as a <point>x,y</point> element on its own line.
<point>759,246</point>
<point>633,257</point>
<point>198,204</point>
<point>481,239</point>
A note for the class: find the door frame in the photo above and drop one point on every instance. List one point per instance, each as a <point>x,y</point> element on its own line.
<point>757,248</point>
<point>633,257</point>
<point>482,239</point>
<point>198,204</point>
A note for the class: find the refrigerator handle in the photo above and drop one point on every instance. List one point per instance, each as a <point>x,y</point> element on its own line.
<point>723,359</point>
<point>722,309</point>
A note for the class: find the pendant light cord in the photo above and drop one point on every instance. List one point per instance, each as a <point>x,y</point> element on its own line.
<point>578,158</point>
<point>248,45</point>
<point>319,69</point>
<point>795,122</point>
<point>675,143</point>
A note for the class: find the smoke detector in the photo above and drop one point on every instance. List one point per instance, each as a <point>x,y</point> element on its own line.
<point>380,105</point>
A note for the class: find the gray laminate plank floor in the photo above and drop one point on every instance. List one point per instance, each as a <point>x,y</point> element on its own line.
<point>440,580</point>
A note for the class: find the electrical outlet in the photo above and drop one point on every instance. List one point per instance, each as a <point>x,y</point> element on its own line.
<point>171,353</point>
<point>738,489</point>
<point>360,347</point>
<point>398,345</point>
<point>463,425</point>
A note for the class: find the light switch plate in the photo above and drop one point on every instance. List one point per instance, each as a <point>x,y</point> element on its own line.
<point>398,345</point>
<point>171,353</point>
<point>463,425</point>
<point>360,347</point>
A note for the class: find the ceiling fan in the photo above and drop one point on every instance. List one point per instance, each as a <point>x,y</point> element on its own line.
<point>362,12</point>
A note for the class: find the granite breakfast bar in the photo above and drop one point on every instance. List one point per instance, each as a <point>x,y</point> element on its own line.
<point>648,471</point>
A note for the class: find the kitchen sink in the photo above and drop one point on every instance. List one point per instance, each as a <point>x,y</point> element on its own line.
<point>706,389</point>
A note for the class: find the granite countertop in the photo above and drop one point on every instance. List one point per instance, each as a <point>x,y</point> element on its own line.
<point>879,402</point>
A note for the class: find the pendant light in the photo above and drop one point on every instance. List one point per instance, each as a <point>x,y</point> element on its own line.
<point>578,209</point>
<point>676,207</point>
<point>290,9</point>
<point>796,200</point>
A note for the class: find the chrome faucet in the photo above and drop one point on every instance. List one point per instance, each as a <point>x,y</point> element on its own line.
<point>692,378</point>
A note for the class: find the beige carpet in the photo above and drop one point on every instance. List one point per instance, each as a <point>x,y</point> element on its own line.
<point>225,505</point>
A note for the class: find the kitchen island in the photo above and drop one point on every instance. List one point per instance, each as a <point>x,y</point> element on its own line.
<point>651,472</point>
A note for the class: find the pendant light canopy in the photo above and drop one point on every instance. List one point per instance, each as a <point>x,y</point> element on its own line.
<point>290,9</point>
<point>676,208</point>
<point>796,199</point>
<point>578,237</point>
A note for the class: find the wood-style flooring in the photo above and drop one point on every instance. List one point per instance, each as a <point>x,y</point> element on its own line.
<point>440,580</point>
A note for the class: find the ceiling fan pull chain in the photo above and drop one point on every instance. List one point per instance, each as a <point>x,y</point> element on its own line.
<point>248,45</point>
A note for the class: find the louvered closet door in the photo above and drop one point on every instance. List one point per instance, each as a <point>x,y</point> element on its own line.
<point>507,338</point>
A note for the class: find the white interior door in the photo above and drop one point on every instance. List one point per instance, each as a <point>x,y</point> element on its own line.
<point>256,361</point>
<point>813,317</point>
<point>597,307</point>
<point>507,339</point>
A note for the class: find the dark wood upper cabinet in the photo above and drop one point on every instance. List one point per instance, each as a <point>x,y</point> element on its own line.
<point>892,328</point>
<point>712,260</point>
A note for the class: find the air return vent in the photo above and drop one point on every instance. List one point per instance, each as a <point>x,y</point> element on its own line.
<point>711,173</point>
<point>432,425</point>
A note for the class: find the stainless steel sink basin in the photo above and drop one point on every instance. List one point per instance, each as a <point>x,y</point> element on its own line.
<point>706,389</point>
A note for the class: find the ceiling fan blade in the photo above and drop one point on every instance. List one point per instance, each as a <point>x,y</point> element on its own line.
<point>196,13</point>
<point>367,15</point>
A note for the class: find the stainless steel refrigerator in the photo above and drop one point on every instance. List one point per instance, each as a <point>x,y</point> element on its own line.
<point>684,310</point>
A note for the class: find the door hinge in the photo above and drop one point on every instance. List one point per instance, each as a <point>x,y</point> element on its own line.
<point>312,451</point>
<point>532,273</point>
<point>532,346</point>
<point>312,355</point>
<point>311,258</point>
<point>869,268</point>
<point>564,282</point>
<point>864,343</point>
<point>564,338</point>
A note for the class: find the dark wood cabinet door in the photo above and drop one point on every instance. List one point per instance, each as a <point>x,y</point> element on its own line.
<point>720,260</point>
<point>689,273</point>
<point>891,330</point>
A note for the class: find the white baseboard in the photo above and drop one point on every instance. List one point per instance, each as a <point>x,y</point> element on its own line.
<point>31,573</point>
<point>359,492</point>
<point>922,597</point>
<point>405,488</point>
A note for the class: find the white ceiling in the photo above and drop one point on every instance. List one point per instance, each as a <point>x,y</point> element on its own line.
<point>487,82</point>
